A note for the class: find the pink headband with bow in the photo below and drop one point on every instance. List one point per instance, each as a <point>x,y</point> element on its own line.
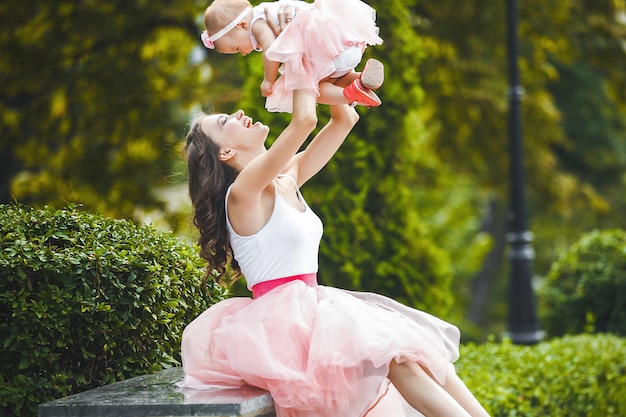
<point>208,40</point>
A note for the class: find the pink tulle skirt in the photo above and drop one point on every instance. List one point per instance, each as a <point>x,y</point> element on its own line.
<point>309,44</point>
<point>320,351</point>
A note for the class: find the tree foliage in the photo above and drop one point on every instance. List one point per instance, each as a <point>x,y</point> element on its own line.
<point>465,80</point>
<point>368,195</point>
<point>90,99</point>
<point>95,97</point>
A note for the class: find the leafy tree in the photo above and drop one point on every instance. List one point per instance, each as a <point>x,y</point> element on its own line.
<point>91,99</point>
<point>465,76</point>
<point>95,97</point>
<point>595,151</point>
<point>433,159</point>
<point>374,240</point>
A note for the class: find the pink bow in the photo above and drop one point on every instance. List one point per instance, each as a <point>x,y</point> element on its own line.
<point>206,40</point>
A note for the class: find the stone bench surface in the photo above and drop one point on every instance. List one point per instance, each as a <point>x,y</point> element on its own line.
<point>156,395</point>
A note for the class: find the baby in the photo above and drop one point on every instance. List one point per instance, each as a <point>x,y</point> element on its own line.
<point>318,51</point>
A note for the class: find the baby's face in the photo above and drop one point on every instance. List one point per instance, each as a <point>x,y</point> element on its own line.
<point>237,41</point>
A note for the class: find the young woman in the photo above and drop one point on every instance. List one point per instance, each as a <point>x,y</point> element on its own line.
<point>320,351</point>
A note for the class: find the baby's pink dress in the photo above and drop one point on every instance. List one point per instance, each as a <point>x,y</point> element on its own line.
<point>320,32</point>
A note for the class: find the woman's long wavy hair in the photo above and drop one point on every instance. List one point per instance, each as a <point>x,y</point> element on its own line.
<point>209,180</point>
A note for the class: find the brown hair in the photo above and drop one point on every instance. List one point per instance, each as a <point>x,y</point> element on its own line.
<point>209,180</point>
<point>222,12</point>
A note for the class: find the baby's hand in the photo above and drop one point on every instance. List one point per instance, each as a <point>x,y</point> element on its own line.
<point>266,88</point>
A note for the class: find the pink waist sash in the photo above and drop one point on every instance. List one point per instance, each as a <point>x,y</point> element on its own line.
<point>264,287</point>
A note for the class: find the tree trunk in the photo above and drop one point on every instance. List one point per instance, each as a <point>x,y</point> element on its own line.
<point>494,223</point>
<point>8,169</point>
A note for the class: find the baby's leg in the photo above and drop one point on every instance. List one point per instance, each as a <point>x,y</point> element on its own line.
<point>345,80</point>
<point>353,94</point>
<point>331,93</point>
<point>355,87</point>
<point>372,76</point>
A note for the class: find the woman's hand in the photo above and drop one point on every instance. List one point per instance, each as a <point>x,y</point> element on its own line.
<point>286,13</point>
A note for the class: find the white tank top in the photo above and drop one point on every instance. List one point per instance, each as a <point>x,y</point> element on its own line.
<point>287,245</point>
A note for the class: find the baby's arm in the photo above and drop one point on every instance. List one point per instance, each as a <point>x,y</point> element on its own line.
<point>265,36</point>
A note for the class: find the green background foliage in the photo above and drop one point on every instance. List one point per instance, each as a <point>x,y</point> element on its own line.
<point>90,91</point>
<point>95,97</point>
<point>86,300</point>
<point>585,290</point>
<point>583,375</point>
<point>414,204</point>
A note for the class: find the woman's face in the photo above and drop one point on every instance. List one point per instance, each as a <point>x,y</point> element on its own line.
<point>235,131</point>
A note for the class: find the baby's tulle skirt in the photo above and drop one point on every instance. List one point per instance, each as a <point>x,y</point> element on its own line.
<point>320,351</point>
<point>308,45</point>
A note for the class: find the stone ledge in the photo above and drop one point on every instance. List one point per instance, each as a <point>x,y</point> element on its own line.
<point>156,395</point>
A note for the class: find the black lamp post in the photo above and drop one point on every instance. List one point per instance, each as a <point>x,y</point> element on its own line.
<point>523,325</point>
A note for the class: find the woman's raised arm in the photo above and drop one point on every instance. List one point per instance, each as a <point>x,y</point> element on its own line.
<point>310,161</point>
<point>262,170</point>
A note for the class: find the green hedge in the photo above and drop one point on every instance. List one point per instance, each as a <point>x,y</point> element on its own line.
<point>585,290</point>
<point>86,300</point>
<point>583,375</point>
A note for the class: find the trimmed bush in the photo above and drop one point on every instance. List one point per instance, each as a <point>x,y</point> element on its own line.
<point>585,290</point>
<point>582,375</point>
<point>86,300</point>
